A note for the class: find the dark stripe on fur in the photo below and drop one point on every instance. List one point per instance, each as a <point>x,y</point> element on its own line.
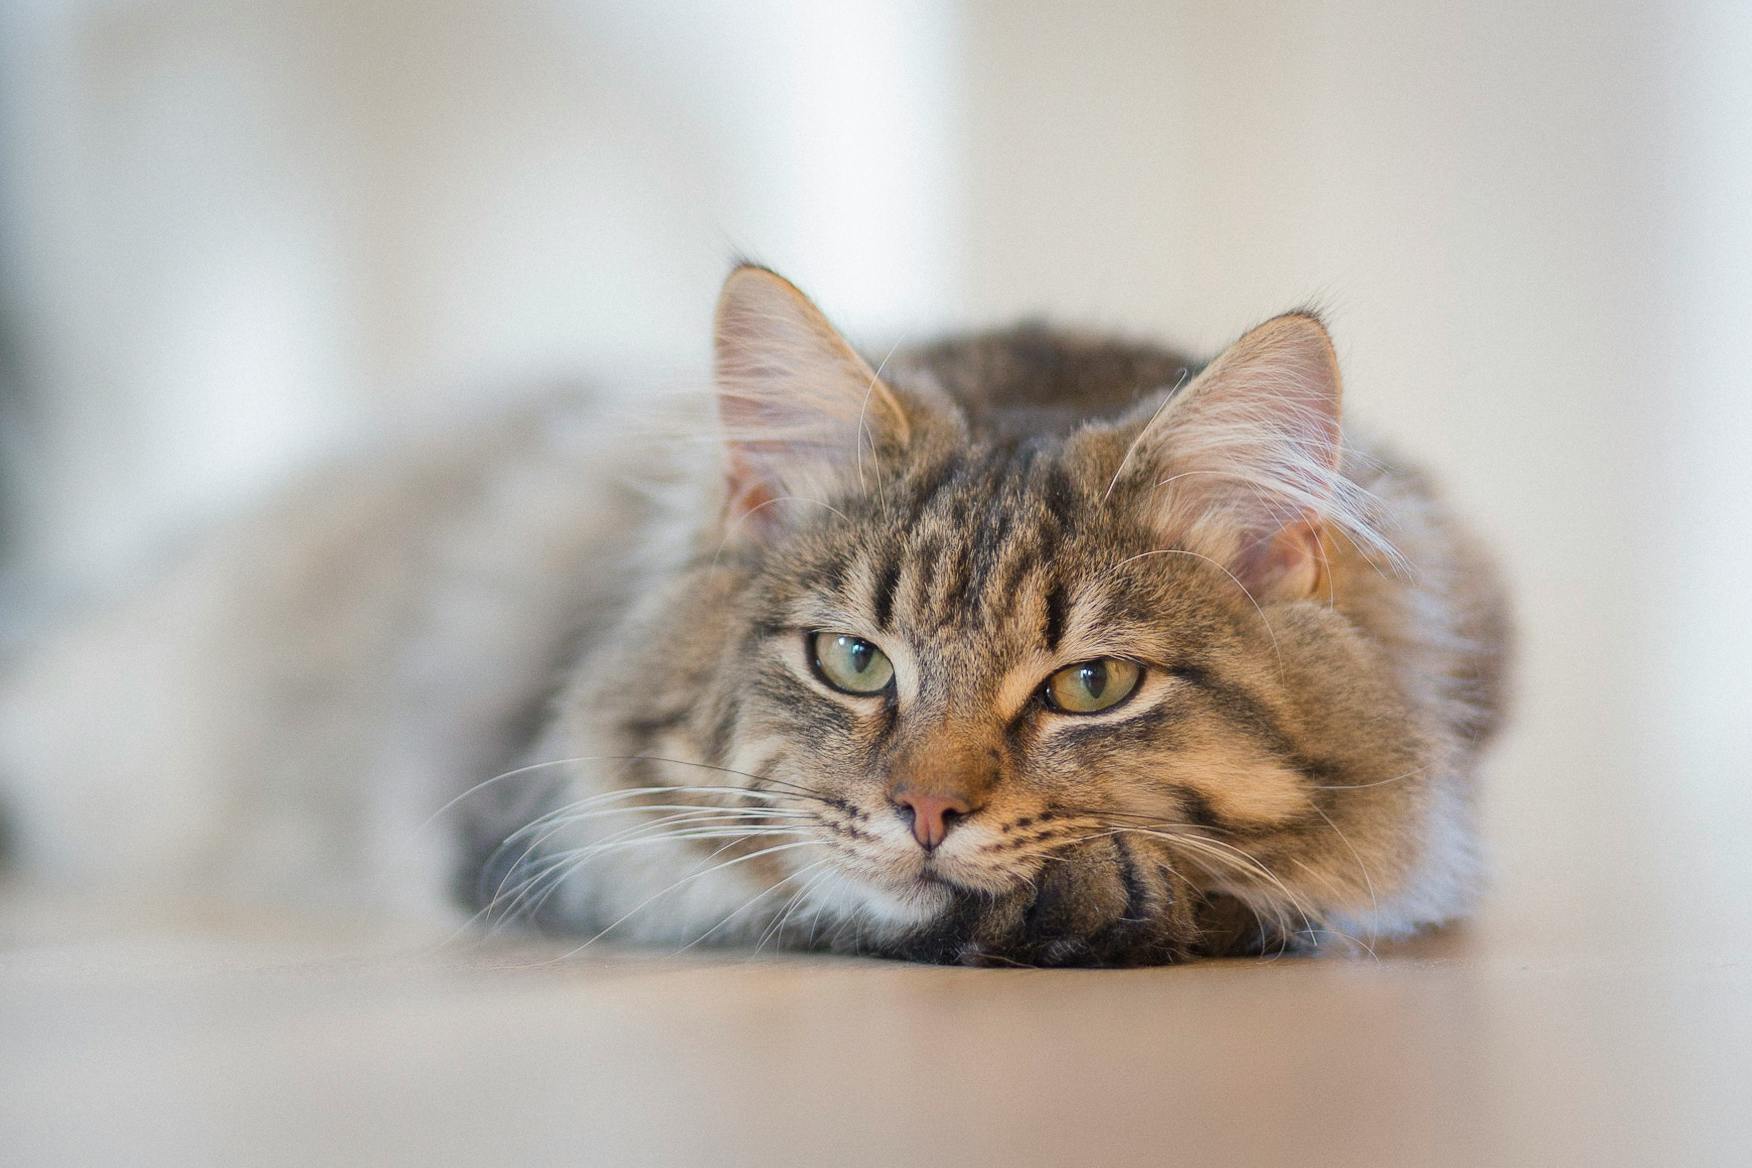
<point>1060,495</point>
<point>1199,809</point>
<point>1054,629</point>
<point>1020,561</point>
<point>803,709</point>
<point>645,729</point>
<point>989,540</point>
<point>1244,710</point>
<point>956,575</point>
<point>932,481</point>
<point>723,730</point>
<point>883,602</point>
<point>1136,895</point>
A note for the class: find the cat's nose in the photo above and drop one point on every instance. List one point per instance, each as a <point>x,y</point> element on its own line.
<point>931,815</point>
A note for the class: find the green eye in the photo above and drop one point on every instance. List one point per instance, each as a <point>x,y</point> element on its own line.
<point>1092,686</point>
<point>851,664</point>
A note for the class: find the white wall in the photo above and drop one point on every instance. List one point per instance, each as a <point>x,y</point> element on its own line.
<point>241,233</point>
<point>1698,458</point>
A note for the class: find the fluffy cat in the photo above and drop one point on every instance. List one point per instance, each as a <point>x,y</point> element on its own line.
<point>1030,647</point>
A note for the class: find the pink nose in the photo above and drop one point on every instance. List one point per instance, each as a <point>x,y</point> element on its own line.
<point>932,815</point>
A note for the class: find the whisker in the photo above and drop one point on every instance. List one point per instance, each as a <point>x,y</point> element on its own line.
<point>777,928</point>
<point>624,917</point>
<point>571,818</point>
<point>574,810</point>
<point>623,792</point>
<point>566,871</point>
<point>683,816</point>
<point>558,820</point>
<point>1327,880</point>
<point>731,528</point>
<point>555,827</point>
<point>561,866</point>
<point>1142,434</point>
<point>1105,813</point>
<point>1377,783</point>
<point>863,433</point>
<point>1374,904</point>
<point>750,903</point>
<point>1237,858</point>
<point>499,778</point>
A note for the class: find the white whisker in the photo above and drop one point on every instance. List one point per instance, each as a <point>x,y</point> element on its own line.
<point>692,876</point>
<point>1374,904</point>
<point>1143,432</point>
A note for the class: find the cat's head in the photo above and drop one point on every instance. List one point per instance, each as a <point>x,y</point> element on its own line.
<point>1057,681</point>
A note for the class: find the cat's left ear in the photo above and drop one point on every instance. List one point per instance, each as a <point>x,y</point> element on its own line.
<point>1243,464</point>
<point>802,412</point>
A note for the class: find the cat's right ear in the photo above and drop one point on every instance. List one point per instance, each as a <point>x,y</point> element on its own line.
<point>802,413</point>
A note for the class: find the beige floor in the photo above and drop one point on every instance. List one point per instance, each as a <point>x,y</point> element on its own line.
<point>130,1035</point>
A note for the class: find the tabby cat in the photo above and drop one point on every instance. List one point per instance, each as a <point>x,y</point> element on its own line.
<point>1026,647</point>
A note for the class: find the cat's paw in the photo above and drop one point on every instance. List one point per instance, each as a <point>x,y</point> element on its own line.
<point>1228,928</point>
<point>1094,905</point>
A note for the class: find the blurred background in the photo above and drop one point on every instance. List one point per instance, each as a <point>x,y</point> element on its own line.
<point>234,237</point>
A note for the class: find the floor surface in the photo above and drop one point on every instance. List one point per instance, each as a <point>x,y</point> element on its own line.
<point>194,1036</point>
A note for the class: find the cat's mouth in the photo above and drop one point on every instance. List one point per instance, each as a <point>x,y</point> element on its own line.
<point>922,878</point>
<point>898,882</point>
<point>935,881</point>
<point>891,898</point>
<point>930,876</point>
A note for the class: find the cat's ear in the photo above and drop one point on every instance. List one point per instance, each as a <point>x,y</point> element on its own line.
<point>1243,464</point>
<point>802,413</point>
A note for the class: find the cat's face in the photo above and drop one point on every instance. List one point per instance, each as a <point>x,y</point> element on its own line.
<point>1042,695</point>
<point>992,664</point>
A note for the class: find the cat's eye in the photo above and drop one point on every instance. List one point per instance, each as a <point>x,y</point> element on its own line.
<point>851,664</point>
<point>1089,687</point>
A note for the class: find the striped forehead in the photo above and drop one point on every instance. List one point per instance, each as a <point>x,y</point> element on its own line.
<point>974,533</point>
<point>979,554</point>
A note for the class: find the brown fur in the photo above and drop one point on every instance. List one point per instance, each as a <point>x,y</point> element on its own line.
<point>1300,762</point>
<point>1321,645</point>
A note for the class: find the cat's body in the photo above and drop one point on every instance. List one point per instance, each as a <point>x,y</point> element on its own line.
<point>288,711</point>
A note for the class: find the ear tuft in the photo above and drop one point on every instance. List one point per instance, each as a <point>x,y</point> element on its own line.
<point>1244,462</point>
<point>801,410</point>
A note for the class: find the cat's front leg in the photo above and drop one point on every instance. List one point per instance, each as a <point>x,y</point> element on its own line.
<point>1097,904</point>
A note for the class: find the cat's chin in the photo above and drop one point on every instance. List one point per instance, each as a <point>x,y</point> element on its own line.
<point>899,906</point>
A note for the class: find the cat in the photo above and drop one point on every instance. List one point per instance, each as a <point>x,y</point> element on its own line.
<point>1024,647</point>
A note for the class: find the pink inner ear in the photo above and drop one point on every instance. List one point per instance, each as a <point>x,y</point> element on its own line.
<point>1246,458</point>
<point>1284,565</point>
<point>797,404</point>
<point>749,497</point>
